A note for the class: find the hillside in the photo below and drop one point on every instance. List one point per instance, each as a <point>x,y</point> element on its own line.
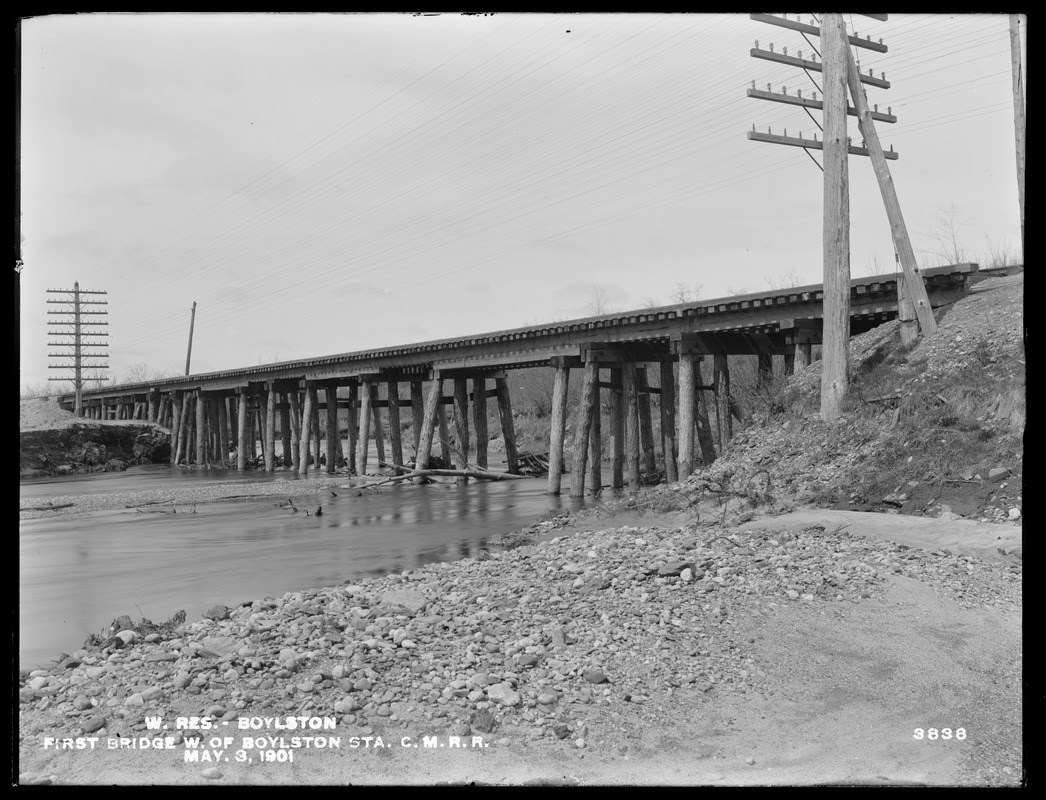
<point>934,430</point>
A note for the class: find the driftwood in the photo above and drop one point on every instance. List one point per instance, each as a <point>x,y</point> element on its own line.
<point>50,507</point>
<point>454,473</point>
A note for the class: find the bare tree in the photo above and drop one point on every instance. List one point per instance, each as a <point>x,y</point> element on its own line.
<point>598,303</point>
<point>786,280</point>
<point>875,266</point>
<point>684,293</point>
<point>946,234</point>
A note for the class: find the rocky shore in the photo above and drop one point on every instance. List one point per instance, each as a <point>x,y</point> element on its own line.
<point>647,653</point>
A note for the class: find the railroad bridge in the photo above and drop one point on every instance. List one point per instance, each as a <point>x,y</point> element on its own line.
<point>208,412</point>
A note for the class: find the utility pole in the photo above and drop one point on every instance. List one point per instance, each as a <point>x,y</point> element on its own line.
<point>840,73</point>
<point>192,324</point>
<point>81,335</point>
<point>1018,111</point>
<point>835,338</point>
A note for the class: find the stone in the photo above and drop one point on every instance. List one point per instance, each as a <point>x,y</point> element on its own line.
<point>503,693</point>
<point>409,601</point>
<point>483,721</point>
<point>594,676</point>
<point>217,613</point>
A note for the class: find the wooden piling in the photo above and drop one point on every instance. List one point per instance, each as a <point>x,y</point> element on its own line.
<point>176,425</point>
<point>721,382</point>
<point>508,428</point>
<point>285,429</point>
<point>201,423</point>
<point>685,416</point>
<point>306,434</point>
<point>583,432</point>
<point>668,421</point>
<point>444,435</point>
<point>704,428</point>
<point>242,428</point>
<point>559,420</point>
<point>417,412</point>
<point>395,431</point>
<point>428,423</point>
<point>802,355</point>
<point>295,415</point>
<point>479,420</point>
<point>595,442</point>
<point>379,435</point>
<point>617,431</point>
<point>353,423</point>
<point>631,400</point>
<point>461,419</point>
<point>270,427</point>
<point>223,428</point>
<point>330,391</point>
<point>646,423</point>
<point>154,405</point>
<point>315,423</point>
<point>365,422</point>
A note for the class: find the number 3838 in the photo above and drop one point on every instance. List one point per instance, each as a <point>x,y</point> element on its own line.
<point>932,734</point>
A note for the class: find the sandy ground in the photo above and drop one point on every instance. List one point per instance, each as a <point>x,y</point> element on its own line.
<point>874,693</point>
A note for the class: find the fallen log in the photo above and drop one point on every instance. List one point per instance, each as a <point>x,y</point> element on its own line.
<point>50,507</point>
<point>454,473</point>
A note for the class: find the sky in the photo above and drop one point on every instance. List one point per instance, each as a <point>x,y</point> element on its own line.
<point>321,184</point>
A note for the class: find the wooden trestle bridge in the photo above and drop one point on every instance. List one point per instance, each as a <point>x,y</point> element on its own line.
<point>209,411</point>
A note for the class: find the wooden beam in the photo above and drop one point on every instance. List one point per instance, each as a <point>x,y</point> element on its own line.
<point>617,431</point>
<point>479,419</point>
<point>417,410</point>
<point>646,423</point>
<point>395,431</point>
<point>813,30</point>
<point>306,434</point>
<point>428,424</point>
<point>270,428</point>
<point>507,426</point>
<point>332,430</point>
<point>583,431</point>
<point>558,428</point>
<point>379,435</point>
<point>363,452</point>
<point>632,443</point>
<point>721,384</point>
<point>685,417</point>
<point>902,245</point>
<point>461,418</point>
<point>243,428</point>
<point>295,423</point>
<point>668,421</point>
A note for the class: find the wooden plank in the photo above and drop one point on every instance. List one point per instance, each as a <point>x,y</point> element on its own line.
<point>646,423</point>
<point>428,423</point>
<point>632,443</point>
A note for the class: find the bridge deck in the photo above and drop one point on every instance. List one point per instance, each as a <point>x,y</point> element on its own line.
<point>769,322</point>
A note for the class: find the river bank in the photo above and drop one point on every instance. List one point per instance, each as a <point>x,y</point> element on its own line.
<point>630,649</point>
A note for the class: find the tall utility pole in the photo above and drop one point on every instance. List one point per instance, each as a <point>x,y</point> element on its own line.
<point>192,324</point>
<point>1018,110</point>
<point>835,338</point>
<point>840,72</point>
<point>82,338</point>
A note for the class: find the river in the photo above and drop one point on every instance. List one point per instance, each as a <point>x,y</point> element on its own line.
<point>78,573</point>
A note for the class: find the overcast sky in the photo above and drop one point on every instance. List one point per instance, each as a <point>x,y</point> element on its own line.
<point>320,184</point>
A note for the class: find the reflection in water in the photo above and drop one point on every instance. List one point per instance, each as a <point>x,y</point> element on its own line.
<point>78,574</point>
